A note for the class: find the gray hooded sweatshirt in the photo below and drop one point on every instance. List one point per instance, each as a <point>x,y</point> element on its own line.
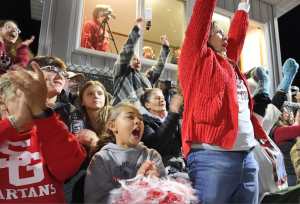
<point>113,163</point>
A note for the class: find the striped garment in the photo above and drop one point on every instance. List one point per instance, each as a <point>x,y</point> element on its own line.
<point>129,83</point>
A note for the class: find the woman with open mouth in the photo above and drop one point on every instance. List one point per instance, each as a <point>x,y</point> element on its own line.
<point>218,127</point>
<point>12,49</point>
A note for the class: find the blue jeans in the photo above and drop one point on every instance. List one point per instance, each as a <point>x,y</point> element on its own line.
<point>224,177</point>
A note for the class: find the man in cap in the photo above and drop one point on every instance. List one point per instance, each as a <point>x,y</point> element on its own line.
<point>72,87</point>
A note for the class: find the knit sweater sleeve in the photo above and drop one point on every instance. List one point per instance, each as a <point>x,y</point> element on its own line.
<point>22,55</point>
<point>284,133</point>
<point>195,43</point>
<point>237,34</point>
<point>199,27</point>
<point>159,138</point>
<point>127,52</point>
<point>155,72</point>
<point>60,149</point>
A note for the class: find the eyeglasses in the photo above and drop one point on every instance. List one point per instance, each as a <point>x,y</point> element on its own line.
<point>10,28</point>
<point>74,81</point>
<point>55,71</point>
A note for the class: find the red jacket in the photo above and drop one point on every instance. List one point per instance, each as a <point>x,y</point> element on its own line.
<point>34,165</point>
<point>7,61</point>
<point>208,82</point>
<point>89,29</point>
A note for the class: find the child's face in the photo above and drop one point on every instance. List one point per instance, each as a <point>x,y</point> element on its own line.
<point>93,98</point>
<point>129,127</point>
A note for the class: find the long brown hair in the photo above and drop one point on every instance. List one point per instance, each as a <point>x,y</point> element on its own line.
<point>14,47</point>
<point>108,136</point>
<point>103,115</point>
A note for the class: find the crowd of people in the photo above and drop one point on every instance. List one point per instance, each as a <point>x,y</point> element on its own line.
<point>65,141</point>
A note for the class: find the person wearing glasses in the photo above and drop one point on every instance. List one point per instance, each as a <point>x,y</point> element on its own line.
<point>219,127</point>
<point>55,76</point>
<point>12,49</point>
<point>284,134</point>
<point>72,87</point>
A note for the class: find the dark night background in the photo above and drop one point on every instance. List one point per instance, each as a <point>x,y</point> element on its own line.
<point>289,33</point>
<point>20,11</point>
<point>289,30</point>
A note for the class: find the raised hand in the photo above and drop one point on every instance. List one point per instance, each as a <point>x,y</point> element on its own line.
<point>87,137</point>
<point>175,104</point>
<point>139,23</point>
<point>164,40</point>
<point>34,88</point>
<point>247,1</point>
<point>29,41</point>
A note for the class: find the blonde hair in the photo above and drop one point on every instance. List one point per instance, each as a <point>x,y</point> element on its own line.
<point>108,136</point>
<point>98,8</point>
<point>103,112</point>
<point>7,89</point>
<point>281,122</point>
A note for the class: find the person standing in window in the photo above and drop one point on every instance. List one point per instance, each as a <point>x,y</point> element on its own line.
<point>12,49</point>
<point>90,28</point>
<point>218,127</point>
<point>129,82</point>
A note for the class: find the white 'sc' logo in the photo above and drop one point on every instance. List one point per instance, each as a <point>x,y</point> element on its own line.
<point>17,159</point>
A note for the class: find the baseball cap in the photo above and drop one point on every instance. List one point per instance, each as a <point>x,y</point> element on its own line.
<point>79,76</point>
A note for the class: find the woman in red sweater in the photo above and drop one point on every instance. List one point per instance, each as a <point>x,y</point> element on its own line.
<point>12,49</point>
<point>219,128</point>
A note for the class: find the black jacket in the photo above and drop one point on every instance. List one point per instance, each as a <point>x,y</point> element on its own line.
<point>164,137</point>
<point>71,116</point>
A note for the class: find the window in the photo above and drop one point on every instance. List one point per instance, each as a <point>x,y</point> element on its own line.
<point>168,18</point>
<point>125,12</point>
<point>254,53</point>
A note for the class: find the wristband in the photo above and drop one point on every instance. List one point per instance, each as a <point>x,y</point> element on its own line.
<point>46,114</point>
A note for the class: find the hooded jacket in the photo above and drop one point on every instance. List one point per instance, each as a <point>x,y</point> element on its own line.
<point>113,163</point>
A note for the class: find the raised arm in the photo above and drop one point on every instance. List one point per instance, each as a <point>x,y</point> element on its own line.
<point>155,72</point>
<point>61,152</point>
<point>158,139</point>
<point>23,53</point>
<point>127,52</point>
<point>237,32</point>
<point>198,29</point>
<point>284,133</point>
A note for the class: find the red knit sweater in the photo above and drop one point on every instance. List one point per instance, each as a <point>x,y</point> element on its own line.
<point>208,82</point>
<point>34,165</point>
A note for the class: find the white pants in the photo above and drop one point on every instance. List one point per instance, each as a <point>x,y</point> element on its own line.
<point>270,118</point>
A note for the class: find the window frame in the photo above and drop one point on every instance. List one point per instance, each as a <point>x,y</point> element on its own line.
<point>139,12</point>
